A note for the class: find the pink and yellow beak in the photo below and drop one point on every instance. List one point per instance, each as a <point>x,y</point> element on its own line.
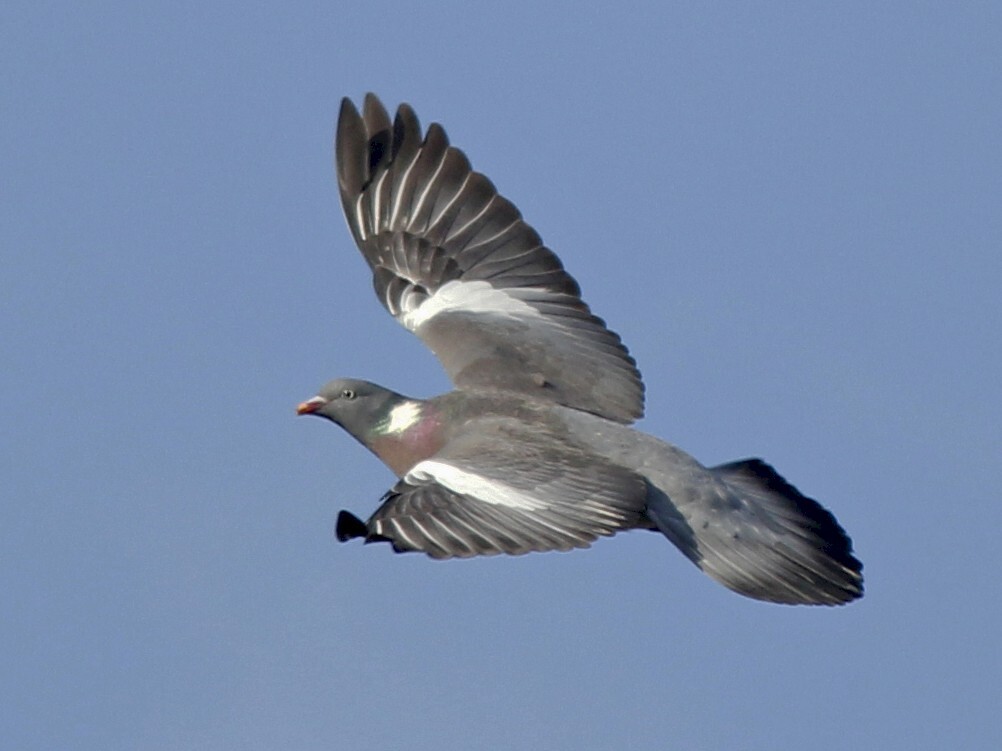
<point>311,405</point>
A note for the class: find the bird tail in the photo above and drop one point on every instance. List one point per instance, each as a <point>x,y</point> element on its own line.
<point>755,533</point>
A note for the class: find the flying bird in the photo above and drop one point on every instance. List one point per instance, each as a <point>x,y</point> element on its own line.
<point>533,450</point>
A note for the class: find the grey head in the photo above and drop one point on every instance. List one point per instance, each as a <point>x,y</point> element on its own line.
<point>360,407</point>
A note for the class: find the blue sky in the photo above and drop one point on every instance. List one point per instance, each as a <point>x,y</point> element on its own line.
<point>789,211</point>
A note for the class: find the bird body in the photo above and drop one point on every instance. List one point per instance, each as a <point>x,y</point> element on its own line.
<point>534,450</point>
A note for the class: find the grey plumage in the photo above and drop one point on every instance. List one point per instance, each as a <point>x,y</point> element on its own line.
<point>533,451</point>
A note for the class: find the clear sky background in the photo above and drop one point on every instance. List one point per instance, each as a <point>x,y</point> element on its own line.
<point>789,211</point>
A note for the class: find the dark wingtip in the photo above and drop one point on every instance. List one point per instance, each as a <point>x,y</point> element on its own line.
<point>376,117</point>
<point>372,104</point>
<point>347,117</point>
<point>406,133</point>
<point>349,527</point>
<point>347,105</point>
<point>349,143</point>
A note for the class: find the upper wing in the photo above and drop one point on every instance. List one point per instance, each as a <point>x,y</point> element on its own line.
<point>454,263</point>
<point>504,491</point>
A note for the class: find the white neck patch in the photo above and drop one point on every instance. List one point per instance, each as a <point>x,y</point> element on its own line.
<point>403,416</point>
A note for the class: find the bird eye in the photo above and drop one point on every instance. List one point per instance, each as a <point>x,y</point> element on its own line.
<point>347,394</point>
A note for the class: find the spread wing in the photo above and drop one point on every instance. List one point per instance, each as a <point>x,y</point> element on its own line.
<point>506,490</point>
<point>454,262</point>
